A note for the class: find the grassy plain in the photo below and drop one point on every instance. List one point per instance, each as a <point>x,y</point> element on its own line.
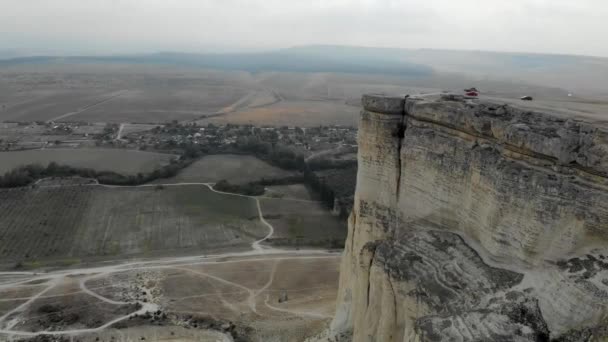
<point>192,296</point>
<point>117,160</point>
<point>302,222</point>
<point>115,92</point>
<point>248,293</point>
<point>294,113</point>
<point>291,191</point>
<point>162,102</point>
<point>157,94</point>
<point>136,128</point>
<point>70,223</point>
<point>236,169</point>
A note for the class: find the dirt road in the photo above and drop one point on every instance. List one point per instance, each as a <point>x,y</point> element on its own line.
<point>258,252</point>
<point>85,108</point>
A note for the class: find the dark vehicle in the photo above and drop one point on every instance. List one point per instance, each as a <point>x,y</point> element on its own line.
<point>526,98</point>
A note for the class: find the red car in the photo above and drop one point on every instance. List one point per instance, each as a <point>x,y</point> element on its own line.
<point>472,94</point>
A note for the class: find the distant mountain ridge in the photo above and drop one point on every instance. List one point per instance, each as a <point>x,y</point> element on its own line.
<point>569,72</point>
<point>282,60</point>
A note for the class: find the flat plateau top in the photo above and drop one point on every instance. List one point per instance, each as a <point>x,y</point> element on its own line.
<point>584,109</point>
<point>589,110</point>
<point>575,139</point>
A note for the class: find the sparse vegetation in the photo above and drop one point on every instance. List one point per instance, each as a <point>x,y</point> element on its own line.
<point>249,189</point>
<point>236,169</point>
<point>300,223</point>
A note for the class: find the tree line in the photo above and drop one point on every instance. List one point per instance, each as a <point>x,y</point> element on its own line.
<point>28,174</point>
<point>256,188</point>
<point>268,151</point>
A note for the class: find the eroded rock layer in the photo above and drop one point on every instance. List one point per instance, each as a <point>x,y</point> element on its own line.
<point>475,222</point>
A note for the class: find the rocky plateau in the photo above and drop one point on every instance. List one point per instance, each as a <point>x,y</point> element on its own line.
<point>475,221</point>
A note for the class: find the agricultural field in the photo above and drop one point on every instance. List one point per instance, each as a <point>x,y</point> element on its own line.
<point>135,128</point>
<point>236,169</point>
<point>54,104</point>
<point>99,221</point>
<point>302,113</point>
<point>162,102</point>
<point>117,160</point>
<point>18,136</point>
<point>303,222</point>
<point>116,93</point>
<point>291,191</point>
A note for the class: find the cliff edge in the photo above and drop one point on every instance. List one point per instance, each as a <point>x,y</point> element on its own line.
<point>474,221</point>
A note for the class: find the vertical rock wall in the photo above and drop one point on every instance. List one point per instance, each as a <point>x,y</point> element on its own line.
<point>475,222</point>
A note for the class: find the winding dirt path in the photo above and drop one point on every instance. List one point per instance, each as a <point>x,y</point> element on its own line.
<point>54,278</point>
<point>294,312</point>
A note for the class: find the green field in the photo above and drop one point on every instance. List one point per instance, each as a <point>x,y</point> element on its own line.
<point>236,169</point>
<point>304,223</point>
<point>75,222</point>
<point>117,160</point>
<point>293,191</point>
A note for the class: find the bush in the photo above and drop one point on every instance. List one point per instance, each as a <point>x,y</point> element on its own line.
<point>25,175</point>
<point>250,189</point>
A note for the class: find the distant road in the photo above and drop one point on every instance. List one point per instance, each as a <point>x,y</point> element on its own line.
<point>87,107</point>
<point>120,129</point>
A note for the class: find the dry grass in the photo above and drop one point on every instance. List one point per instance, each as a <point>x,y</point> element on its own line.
<point>236,169</point>
<point>241,290</point>
<point>292,191</point>
<point>73,311</point>
<point>159,103</point>
<point>294,113</point>
<point>304,223</point>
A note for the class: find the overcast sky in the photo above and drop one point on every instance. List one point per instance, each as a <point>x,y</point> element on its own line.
<point>127,26</point>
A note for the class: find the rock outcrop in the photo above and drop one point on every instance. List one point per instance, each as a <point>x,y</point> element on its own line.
<point>474,221</point>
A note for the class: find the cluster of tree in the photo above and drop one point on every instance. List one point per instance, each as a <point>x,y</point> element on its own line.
<point>280,156</point>
<point>324,190</point>
<point>26,175</point>
<point>332,243</point>
<point>325,164</point>
<point>256,188</point>
<point>336,186</point>
<point>288,159</point>
<point>249,189</point>
<point>280,181</point>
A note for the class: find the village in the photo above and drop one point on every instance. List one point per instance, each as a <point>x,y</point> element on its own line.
<point>306,141</point>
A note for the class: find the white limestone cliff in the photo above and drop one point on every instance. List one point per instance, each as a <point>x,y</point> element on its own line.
<point>475,222</point>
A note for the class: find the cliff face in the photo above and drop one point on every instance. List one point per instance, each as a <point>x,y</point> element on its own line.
<point>475,222</point>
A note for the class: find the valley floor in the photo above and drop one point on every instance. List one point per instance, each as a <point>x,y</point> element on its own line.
<point>264,294</point>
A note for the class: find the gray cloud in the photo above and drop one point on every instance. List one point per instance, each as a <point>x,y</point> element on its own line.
<point>119,26</point>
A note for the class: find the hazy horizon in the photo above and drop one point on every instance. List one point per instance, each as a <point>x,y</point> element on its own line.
<point>234,50</point>
<point>97,27</point>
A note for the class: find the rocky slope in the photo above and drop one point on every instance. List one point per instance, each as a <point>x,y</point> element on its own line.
<point>475,222</point>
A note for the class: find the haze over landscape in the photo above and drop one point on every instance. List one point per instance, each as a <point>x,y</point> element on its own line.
<point>131,26</point>
<point>218,170</point>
